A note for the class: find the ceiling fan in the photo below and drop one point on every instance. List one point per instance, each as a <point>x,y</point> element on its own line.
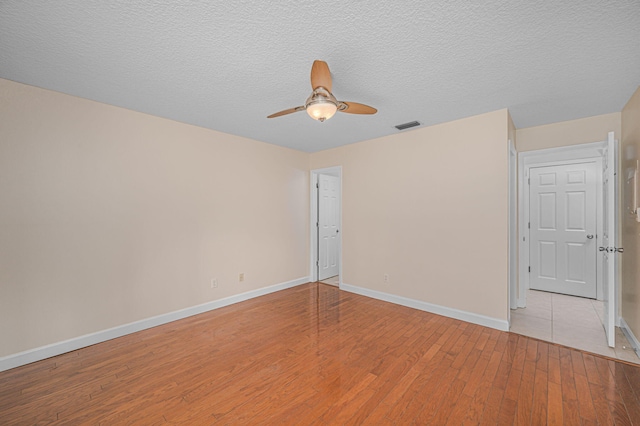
<point>322,105</point>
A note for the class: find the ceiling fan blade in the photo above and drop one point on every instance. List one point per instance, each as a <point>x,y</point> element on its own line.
<point>356,108</point>
<point>287,111</point>
<point>320,75</point>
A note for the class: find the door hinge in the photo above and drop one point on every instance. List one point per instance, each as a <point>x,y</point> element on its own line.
<point>529,225</point>
<point>317,185</point>
<point>317,225</point>
<point>317,264</point>
<point>529,269</point>
<point>529,181</point>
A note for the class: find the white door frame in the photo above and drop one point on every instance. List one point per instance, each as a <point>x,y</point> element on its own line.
<point>610,296</point>
<point>313,214</point>
<point>513,230</point>
<point>554,156</point>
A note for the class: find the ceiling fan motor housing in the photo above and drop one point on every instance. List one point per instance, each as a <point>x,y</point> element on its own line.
<point>321,104</point>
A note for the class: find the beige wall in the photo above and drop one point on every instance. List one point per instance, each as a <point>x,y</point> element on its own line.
<point>429,208</point>
<point>630,150</point>
<point>109,216</point>
<point>584,130</point>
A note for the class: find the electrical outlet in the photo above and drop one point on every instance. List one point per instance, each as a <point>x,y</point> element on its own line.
<point>241,277</point>
<point>386,278</point>
<point>214,283</point>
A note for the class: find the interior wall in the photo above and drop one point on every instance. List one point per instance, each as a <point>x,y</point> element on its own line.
<point>573,132</point>
<point>429,207</point>
<point>630,149</point>
<point>110,216</point>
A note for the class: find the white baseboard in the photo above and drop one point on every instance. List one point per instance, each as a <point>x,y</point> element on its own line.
<point>633,340</point>
<point>43,352</point>
<point>483,320</point>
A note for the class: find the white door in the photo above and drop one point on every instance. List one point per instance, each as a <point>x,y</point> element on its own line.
<point>328,226</point>
<point>609,240</point>
<point>562,214</point>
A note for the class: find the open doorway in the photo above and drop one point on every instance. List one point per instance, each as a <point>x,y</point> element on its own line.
<point>567,288</point>
<point>326,229</point>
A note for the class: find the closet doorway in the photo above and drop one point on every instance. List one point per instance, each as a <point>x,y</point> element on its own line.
<point>326,220</point>
<point>567,290</point>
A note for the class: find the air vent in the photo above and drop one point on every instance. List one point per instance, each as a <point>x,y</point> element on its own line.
<point>407,125</point>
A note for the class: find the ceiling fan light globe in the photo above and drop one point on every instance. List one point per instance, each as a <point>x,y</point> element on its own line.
<point>321,110</point>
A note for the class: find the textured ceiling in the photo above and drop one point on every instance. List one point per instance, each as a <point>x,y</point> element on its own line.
<point>226,65</point>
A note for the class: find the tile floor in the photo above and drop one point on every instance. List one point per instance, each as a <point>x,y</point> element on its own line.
<point>332,281</point>
<point>570,321</point>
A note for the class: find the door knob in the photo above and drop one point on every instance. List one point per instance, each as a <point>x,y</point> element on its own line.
<point>611,249</point>
<point>590,236</point>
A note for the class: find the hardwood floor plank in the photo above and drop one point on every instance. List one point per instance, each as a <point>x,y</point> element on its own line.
<point>314,354</point>
<point>542,357</point>
<point>358,393</point>
<point>626,408</point>
<point>460,408</point>
<point>554,365</point>
<point>540,391</point>
<point>592,370</point>
<point>381,387</point>
<point>507,414</point>
<point>408,384</point>
<point>613,392</point>
<point>585,403</point>
<point>434,398</point>
<point>554,404</point>
<point>525,394</point>
<point>570,407</point>
<point>446,410</point>
<point>482,393</point>
<point>587,410</point>
<point>601,405</point>
<point>633,376</point>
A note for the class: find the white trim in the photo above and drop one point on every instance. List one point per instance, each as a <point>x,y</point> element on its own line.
<point>498,324</point>
<point>561,155</point>
<point>523,252</point>
<point>570,152</point>
<point>43,352</point>
<point>630,336</point>
<point>313,218</point>
<point>313,229</point>
<point>513,230</point>
<point>618,219</point>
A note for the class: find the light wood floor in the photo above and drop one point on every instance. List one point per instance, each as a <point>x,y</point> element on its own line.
<point>316,355</point>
